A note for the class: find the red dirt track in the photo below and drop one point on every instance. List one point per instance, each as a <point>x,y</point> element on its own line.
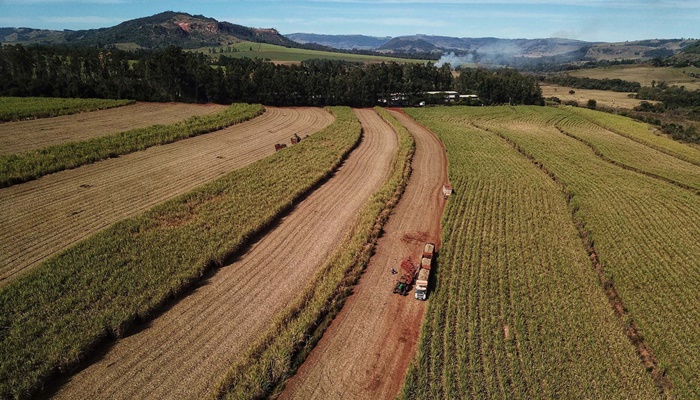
<point>367,349</point>
<point>16,137</point>
<point>184,352</point>
<point>42,217</point>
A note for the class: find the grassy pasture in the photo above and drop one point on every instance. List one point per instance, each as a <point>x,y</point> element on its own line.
<point>517,310</point>
<point>606,98</point>
<point>643,229</point>
<point>19,108</point>
<point>57,314</point>
<point>272,359</point>
<point>644,75</point>
<point>281,54</point>
<point>23,167</point>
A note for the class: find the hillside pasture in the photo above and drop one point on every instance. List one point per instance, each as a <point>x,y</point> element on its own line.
<point>289,55</point>
<point>645,75</point>
<point>605,98</point>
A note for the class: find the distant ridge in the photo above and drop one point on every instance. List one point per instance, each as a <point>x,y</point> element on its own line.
<point>157,31</point>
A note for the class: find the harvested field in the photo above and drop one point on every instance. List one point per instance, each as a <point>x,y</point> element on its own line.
<point>183,353</point>
<point>16,137</point>
<point>366,350</point>
<point>45,216</point>
<point>645,75</point>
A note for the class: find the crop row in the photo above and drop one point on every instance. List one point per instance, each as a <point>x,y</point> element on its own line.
<point>57,314</point>
<point>19,108</point>
<point>639,132</point>
<point>517,310</point>
<point>272,358</point>
<point>18,168</point>
<point>644,231</point>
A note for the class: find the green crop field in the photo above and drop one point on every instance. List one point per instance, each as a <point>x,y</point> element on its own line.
<point>18,108</point>
<point>520,310</point>
<point>281,54</point>
<point>54,316</point>
<point>645,75</point>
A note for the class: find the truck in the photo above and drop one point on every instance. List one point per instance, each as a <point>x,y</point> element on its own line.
<point>424,271</point>
<point>446,190</point>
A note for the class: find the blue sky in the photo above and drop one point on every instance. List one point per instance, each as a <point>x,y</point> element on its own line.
<point>592,20</point>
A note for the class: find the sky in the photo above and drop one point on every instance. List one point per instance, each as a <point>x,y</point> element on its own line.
<point>589,20</point>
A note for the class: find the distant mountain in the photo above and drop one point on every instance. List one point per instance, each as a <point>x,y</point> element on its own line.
<point>490,49</point>
<point>409,44</point>
<point>157,31</point>
<point>343,42</point>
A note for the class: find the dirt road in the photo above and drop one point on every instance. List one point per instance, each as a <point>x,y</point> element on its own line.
<point>42,217</point>
<point>187,350</point>
<point>366,351</point>
<point>16,137</point>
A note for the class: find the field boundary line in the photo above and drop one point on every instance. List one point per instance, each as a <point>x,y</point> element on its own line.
<point>33,164</point>
<point>284,347</point>
<point>628,167</point>
<point>658,374</point>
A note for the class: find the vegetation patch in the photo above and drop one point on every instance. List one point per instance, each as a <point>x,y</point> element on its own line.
<point>639,228</point>
<point>54,317</point>
<point>297,329</point>
<point>23,167</point>
<point>517,311</point>
<point>19,108</point>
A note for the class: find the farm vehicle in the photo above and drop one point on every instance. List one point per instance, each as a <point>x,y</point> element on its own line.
<point>403,285</point>
<point>420,273</point>
<point>424,272</point>
<point>294,140</point>
<point>446,190</point>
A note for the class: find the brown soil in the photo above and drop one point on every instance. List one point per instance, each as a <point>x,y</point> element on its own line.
<point>16,137</point>
<point>366,351</point>
<point>184,352</point>
<point>43,217</point>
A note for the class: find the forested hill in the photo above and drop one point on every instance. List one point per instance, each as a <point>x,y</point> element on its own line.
<point>157,31</point>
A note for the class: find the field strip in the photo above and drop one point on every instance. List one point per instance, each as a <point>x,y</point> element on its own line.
<point>367,348</point>
<point>693,188</point>
<point>17,137</point>
<point>639,132</point>
<point>517,311</point>
<point>184,352</point>
<point>45,216</point>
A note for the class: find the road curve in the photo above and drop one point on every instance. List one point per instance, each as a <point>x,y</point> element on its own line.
<point>42,217</point>
<point>367,349</point>
<point>184,352</point>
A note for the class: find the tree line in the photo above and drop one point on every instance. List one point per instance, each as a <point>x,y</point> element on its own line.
<point>173,74</point>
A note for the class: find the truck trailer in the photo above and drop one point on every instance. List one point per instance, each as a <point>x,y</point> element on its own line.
<point>424,272</point>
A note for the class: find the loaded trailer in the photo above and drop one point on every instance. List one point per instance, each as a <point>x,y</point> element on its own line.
<point>424,272</point>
